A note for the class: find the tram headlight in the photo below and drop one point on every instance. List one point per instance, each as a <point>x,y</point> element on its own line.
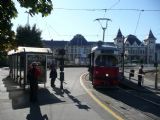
<point>107,75</point>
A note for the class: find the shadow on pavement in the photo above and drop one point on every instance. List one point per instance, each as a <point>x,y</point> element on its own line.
<point>20,98</point>
<point>74,99</point>
<point>35,113</point>
<point>134,97</point>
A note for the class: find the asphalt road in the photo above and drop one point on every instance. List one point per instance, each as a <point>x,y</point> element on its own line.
<point>71,104</point>
<point>78,101</point>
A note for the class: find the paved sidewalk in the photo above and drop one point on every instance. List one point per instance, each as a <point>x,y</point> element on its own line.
<point>148,83</point>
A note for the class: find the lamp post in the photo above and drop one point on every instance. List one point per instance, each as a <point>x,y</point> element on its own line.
<point>61,59</point>
<point>156,76</point>
<point>123,49</point>
<point>52,48</point>
<point>27,17</point>
<point>103,27</point>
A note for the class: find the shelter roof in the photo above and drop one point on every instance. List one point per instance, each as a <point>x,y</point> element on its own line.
<point>21,49</point>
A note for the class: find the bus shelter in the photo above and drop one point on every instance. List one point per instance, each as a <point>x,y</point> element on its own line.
<point>21,58</point>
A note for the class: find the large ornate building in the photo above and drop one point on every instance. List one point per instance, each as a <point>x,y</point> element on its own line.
<point>77,50</point>
<point>136,50</point>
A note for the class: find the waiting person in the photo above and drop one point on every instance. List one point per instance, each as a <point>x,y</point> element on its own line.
<point>53,75</point>
<point>33,73</point>
<point>140,75</point>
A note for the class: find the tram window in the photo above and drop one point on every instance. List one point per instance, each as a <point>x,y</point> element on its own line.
<point>103,60</point>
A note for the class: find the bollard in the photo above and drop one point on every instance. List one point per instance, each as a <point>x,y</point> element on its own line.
<point>61,79</point>
<point>131,74</point>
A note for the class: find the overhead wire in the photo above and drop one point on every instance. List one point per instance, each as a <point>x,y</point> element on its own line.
<point>105,10</point>
<point>138,21</point>
<point>110,9</point>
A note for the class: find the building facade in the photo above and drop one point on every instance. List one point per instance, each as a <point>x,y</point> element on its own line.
<point>138,51</point>
<point>77,50</point>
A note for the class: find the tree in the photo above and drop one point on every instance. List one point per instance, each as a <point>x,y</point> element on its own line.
<point>9,11</point>
<point>27,36</point>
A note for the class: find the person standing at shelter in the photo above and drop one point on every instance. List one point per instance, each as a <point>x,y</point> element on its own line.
<point>140,75</point>
<point>33,74</point>
<point>53,74</point>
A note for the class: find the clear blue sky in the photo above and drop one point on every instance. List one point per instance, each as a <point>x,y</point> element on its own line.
<point>64,24</point>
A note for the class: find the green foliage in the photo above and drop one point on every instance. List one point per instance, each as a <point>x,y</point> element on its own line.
<point>29,37</point>
<point>37,6</point>
<point>9,11</point>
<point>3,59</point>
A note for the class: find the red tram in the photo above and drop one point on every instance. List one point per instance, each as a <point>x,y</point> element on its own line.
<point>103,66</point>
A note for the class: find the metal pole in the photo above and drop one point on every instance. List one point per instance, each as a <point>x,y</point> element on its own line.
<point>123,59</point>
<point>103,28</point>
<point>148,54</point>
<point>156,80</point>
<point>52,49</point>
<point>156,77</point>
<point>27,17</point>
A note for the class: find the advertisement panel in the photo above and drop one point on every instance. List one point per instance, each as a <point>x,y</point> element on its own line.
<point>41,62</point>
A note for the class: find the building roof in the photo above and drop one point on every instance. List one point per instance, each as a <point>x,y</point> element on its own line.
<point>150,35</point>
<point>78,40</point>
<point>54,43</point>
<point>92,43</point>
<point>110,43</point>
<point>119,34</point>
<point>132,38</point>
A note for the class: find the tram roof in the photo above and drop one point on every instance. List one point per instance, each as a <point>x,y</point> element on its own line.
<point>22,49</point>
<point>104,47</point>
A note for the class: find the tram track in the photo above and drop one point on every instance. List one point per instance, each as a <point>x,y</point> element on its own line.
<point>146,103</point>
<point>148,99</point>
<point>139,94</point>
<point>146,96</point>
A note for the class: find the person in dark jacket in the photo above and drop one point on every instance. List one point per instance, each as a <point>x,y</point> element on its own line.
<point>33,74</point>
<point>53,75</point>
<point>140,75</point>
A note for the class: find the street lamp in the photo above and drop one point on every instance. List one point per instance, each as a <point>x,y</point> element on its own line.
<point>61,54</point>
<point>52,48</point>
<point>103,27</point>
<point>27,17</point>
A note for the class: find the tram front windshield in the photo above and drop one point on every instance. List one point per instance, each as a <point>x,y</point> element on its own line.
<point>106,60</point>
